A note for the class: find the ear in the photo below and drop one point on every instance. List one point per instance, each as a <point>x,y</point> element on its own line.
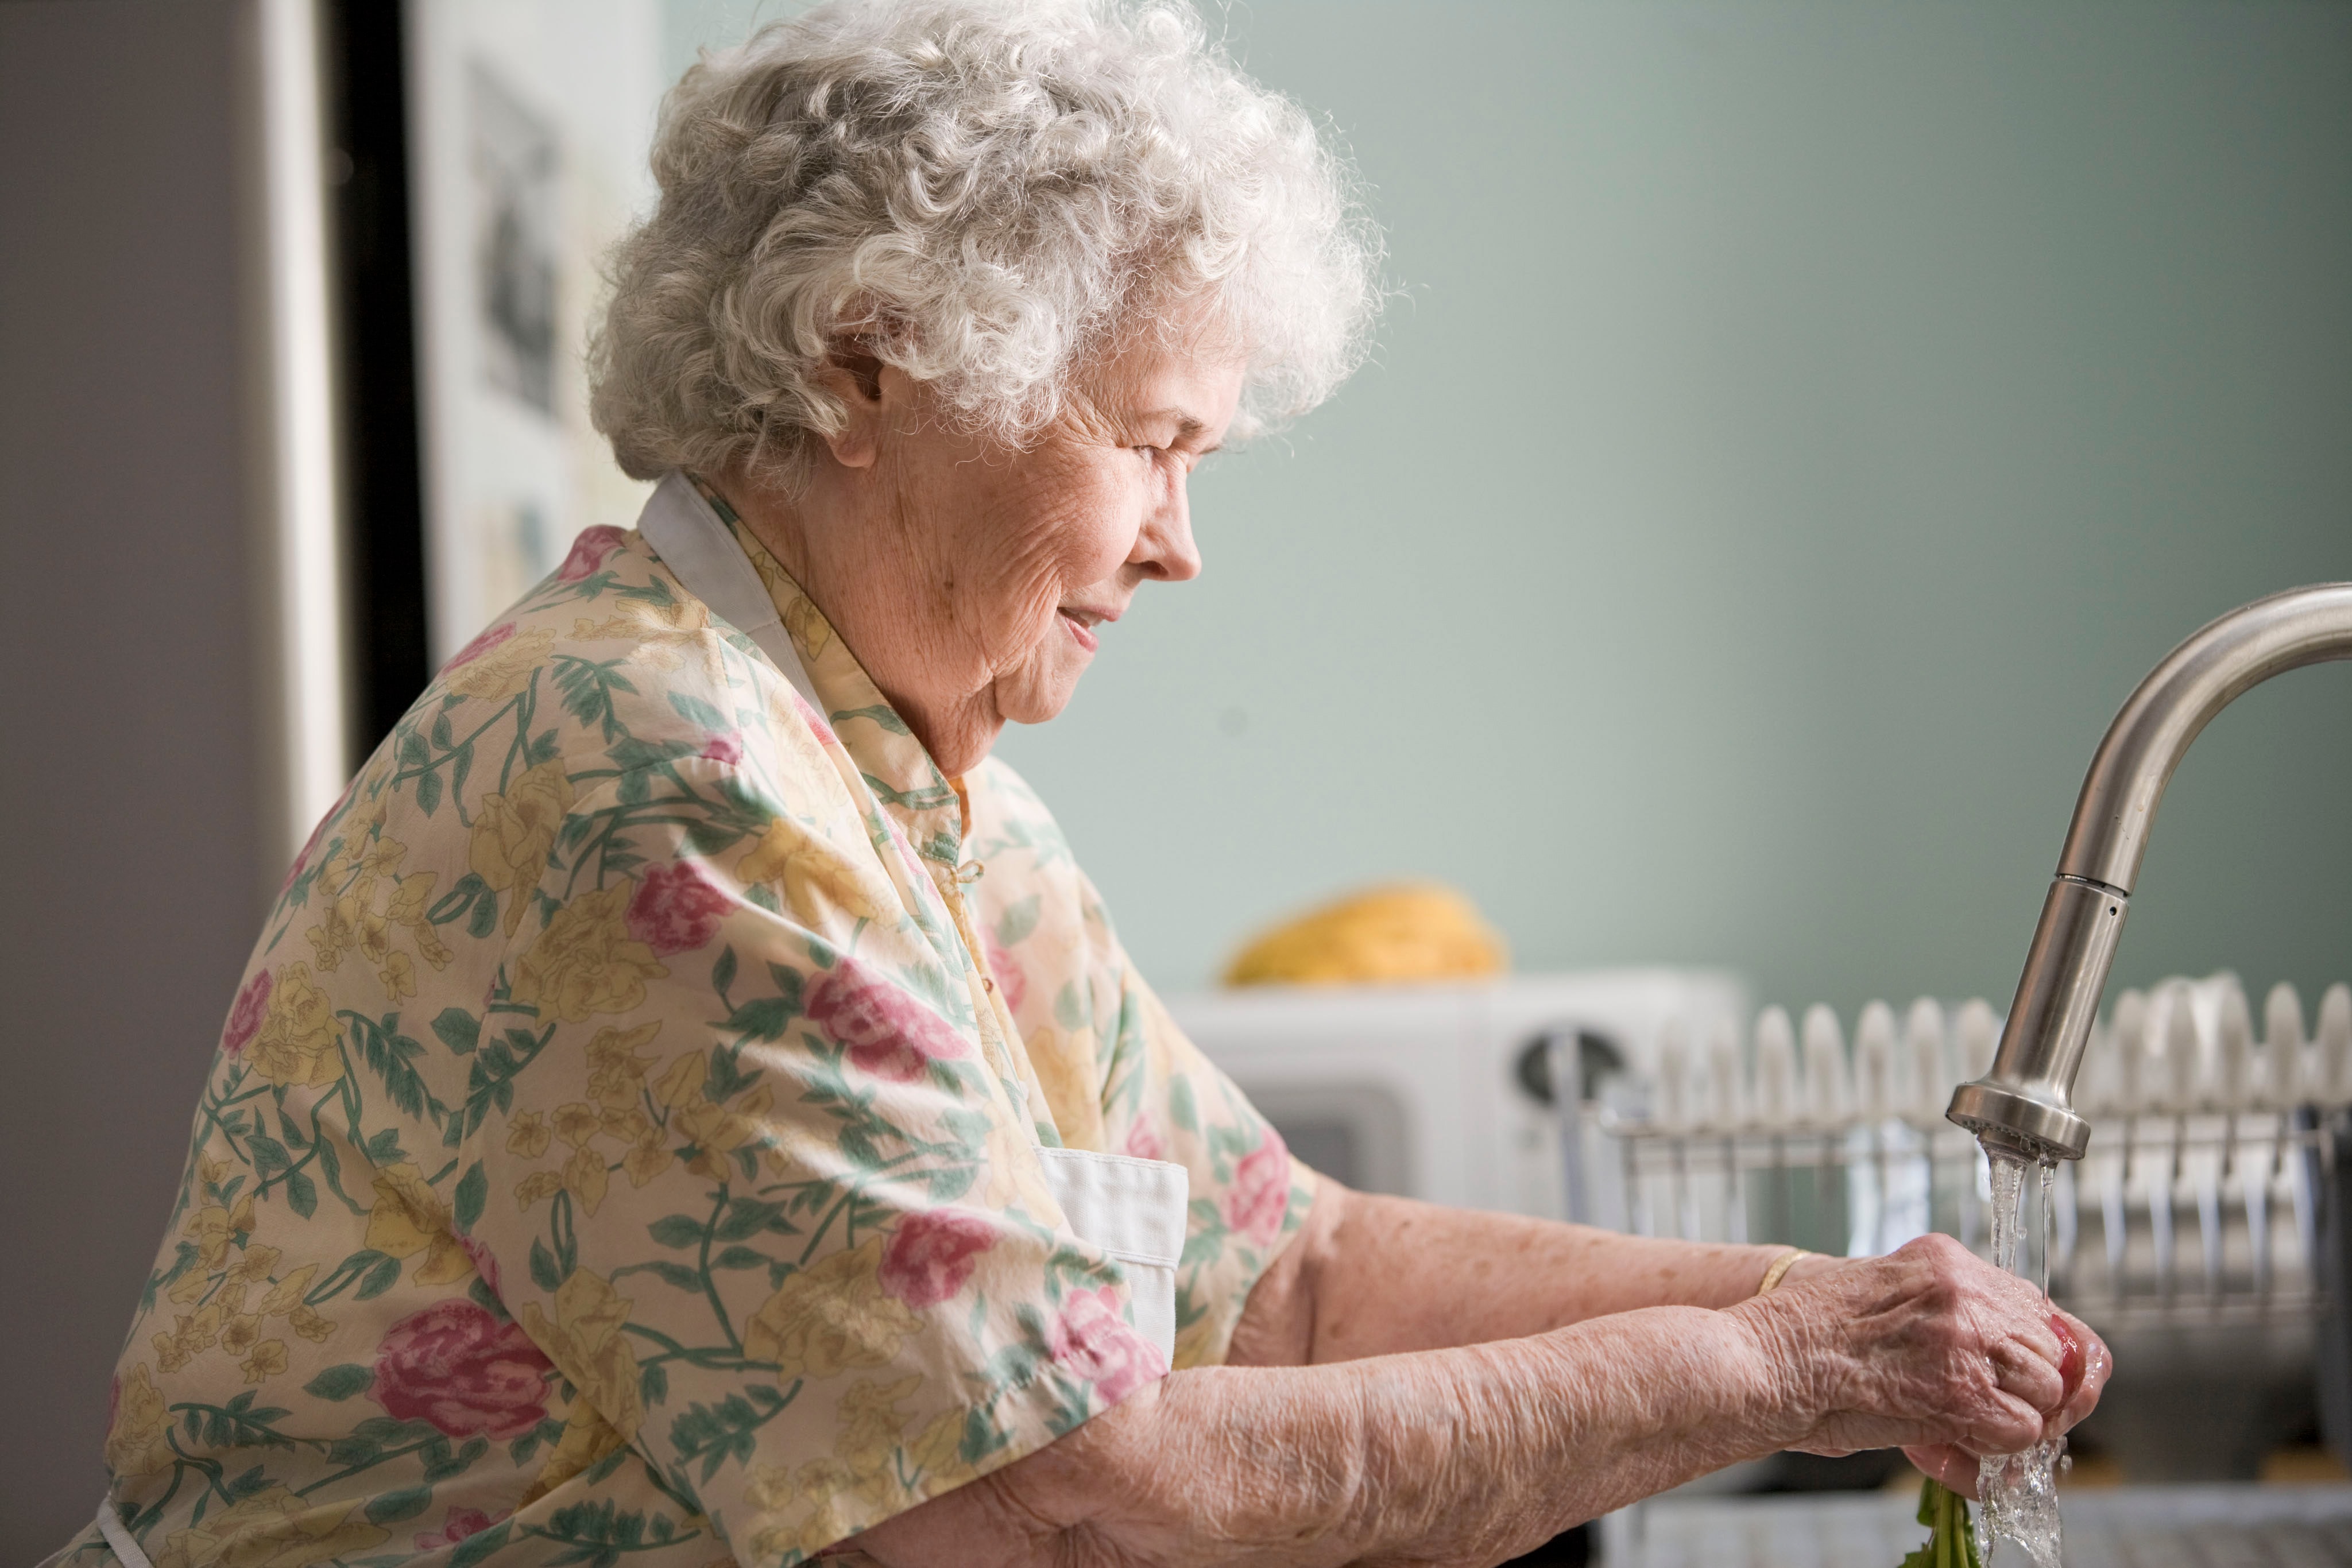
<point>855,376</point>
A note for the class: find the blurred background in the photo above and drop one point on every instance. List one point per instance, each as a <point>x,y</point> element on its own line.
<point>1796,427</point>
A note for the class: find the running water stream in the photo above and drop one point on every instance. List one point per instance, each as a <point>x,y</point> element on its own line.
<point>2018,1492</point>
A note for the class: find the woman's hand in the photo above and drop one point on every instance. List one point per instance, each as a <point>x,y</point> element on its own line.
<point>1932,1349</point>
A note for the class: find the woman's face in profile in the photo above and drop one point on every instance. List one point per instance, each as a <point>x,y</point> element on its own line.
<point>985,575</point>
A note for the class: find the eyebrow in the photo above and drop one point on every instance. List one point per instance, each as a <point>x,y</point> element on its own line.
<point>1187,426</point>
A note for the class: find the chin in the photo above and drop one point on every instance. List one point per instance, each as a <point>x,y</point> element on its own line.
<point>1035,700</point>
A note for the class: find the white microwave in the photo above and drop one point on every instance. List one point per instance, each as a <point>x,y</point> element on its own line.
<point>1444,1092</point>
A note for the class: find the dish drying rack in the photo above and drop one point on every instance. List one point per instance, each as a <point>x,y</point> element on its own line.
<point>2202,1193</point>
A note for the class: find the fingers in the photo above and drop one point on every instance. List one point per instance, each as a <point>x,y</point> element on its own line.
<point>1956,1467</point>
<point>2095,1365</point>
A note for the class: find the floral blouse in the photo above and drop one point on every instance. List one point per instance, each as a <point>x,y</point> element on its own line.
<point>623,1143</point>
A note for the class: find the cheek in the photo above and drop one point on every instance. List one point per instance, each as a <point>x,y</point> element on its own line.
<point>1063,537</point>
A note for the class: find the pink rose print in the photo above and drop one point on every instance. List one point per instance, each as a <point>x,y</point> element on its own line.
<point>814,720</point>
<point>931,1255</point>
<point>461,1523</point>
<point>1010,981</point>
<point>675,909</point>
<point>1260,1195</point>
<point>890,1034</point>
<point>480,645</point>
<point>724,749</point>
<point>589,551</point>
<point>486,1262</point>
<point>1143,1142</point>
<point>461,1369</point>
<point>1090,1339</point>
<point>245,1014</point>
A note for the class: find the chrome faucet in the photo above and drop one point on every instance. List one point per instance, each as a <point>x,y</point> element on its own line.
<point>2026,1103</point>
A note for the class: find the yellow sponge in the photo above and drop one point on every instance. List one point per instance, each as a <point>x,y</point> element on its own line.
<point>1411,931</point>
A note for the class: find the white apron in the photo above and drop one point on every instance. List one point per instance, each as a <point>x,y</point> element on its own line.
<point>1132,1209</point>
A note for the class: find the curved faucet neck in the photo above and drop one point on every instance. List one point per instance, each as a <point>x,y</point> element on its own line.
<point>2027,1100</point>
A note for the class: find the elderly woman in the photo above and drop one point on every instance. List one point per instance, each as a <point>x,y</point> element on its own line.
<point>687,1105</point>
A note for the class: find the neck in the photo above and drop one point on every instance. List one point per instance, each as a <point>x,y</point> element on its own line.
<point>849,567</point>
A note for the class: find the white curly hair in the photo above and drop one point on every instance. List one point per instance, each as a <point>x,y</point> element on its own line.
<point>985,193</point>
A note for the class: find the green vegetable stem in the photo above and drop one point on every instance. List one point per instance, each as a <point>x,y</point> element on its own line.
<point>1951,1539</point>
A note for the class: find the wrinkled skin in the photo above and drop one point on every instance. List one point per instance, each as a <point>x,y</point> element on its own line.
<point>1561,1374</point>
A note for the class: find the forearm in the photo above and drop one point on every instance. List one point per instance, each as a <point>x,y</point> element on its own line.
<point>1469,1454</point>
<point>1370,1275</point>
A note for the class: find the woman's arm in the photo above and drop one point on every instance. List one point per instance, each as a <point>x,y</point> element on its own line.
<point>1371,1275</point>
<point>1474,1454</point>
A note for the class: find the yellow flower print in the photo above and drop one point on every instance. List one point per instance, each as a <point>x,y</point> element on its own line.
<point>614,1068</point>
<point>253,1266</point>
<point>296,1044</point>
<point>513,833</point>
<point>587,1438</point>
<point>137,1443</point>
<point>717,1133</point>
<point>305,1321</point>
<point>586,961</point>
<point>587,1345</point>
<point>867,1422</point>
<point>382,857</point>
<point>374,935</point>
<point>585,1177</point>
<point>537,1185</point>
<point>682,1085</point>
<point>268,1360</point>
<point>286,1296</point>
<point>408,1218</point>
<point>646,1158</point>
<point>627,1126</point>
<point>830,1317</point>
<point>808,626</point>
<point>399,978</point>
<point>213,1228</point>
<point>506,669</point>
<point>240,1334</point>
<point>191,1333</point>
<point>577,1122</point>
<point>817,877</point>
<point>527,1135</point>
<point>937,1452</point>
<point>272,1529</point>
<point>429,945</point>
<point>410,897</point>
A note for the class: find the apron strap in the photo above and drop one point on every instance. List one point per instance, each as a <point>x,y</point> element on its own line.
<point>110,1524</point>
<point>701,551</point>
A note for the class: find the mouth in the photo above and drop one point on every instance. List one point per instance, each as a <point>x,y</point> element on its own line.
<point>1082,622</point>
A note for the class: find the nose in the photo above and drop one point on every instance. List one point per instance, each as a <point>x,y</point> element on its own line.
<point>1164,549</point>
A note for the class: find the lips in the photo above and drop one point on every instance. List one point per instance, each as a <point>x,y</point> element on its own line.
<point>1082,622</point>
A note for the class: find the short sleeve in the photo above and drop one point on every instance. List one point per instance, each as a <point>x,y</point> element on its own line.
<point>749,1173</point>
<point>1121,1074</point>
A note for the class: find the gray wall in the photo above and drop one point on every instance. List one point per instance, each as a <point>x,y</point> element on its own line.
<point>128,794</point>
<point>1802,424</point>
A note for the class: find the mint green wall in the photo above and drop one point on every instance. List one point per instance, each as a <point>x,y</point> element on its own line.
<point>1798,426</point>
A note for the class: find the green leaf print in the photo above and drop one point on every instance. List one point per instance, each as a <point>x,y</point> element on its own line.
<point>458,1030</point>
<point>1017,921</point>
<point>391,1507</point>
<point>472,1195</point>
<point>677,1231</point>
<point>339,1382</point>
